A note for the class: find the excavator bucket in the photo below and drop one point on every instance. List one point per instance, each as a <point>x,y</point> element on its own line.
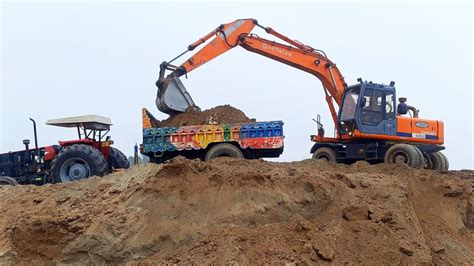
<point>172,97</point>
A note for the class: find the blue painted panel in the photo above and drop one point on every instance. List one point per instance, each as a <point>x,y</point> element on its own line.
<point>262,129</point>
<point>431,137</point>
<point>403,134</point>
<point>385,126</point>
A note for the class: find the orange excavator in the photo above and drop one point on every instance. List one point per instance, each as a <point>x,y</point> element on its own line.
<point>368,124</point>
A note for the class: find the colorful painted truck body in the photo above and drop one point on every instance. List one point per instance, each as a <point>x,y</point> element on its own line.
<point>244,140</point>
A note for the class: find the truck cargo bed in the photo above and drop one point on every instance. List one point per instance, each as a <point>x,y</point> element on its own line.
<point>255,139</point>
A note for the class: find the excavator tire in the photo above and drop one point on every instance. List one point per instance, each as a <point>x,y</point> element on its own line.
<point>423,162</point>
<point>440,161</point>
<point>325,153</point>
<point>224,150</point>
<point>446,162</point>
<point>8,181</point>
<point>118,160</point>
<point>404,154</point>
<point>76,162</point>
<point>428,161</point>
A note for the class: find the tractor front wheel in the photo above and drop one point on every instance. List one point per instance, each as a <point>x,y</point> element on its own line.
<point>77,162</point>
<point>8,181</point>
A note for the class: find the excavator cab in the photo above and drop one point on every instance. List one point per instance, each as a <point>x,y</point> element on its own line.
<point>369,108</point>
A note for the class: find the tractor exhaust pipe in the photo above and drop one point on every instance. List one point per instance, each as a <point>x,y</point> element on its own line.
<point>34,129</point>
<point>26,142</point>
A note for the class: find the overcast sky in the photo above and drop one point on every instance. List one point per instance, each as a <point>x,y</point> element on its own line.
<point>63,60</point>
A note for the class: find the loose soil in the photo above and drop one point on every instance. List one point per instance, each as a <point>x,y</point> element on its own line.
<point>243,211</point>
<point>223,114</point>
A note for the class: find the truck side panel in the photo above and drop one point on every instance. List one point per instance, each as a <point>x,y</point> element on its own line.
<point>258,135</point>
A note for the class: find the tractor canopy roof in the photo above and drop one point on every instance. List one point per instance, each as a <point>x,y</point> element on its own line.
<point>94,122</point>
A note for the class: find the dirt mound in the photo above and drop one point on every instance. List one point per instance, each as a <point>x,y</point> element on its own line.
<point>240,211</point>
<point>222,114</point>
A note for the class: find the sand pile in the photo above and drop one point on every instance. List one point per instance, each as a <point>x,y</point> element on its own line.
<point>238,211</point>
<point>222,114</point>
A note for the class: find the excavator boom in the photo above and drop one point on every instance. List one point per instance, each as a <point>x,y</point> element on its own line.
<point>173,97</point>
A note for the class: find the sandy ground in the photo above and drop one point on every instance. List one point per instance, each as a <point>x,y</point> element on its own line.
<point>240,211</point>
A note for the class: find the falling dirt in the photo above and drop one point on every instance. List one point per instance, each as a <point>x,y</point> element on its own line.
<point>246,212</point>
<point>223,114</point>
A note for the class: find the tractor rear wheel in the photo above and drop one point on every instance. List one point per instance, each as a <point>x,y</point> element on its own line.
<point>439,161</point>
<point>224,150</point>
<point>325,153</point>
<point>8,181</point>
<point>77,162</point>
<point>118,160</point>
<point>404,154</point>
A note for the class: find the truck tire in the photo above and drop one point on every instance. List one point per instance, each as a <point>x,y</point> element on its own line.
<point>224,150</point>
<point>77,162</point>
<point>118,160</point>
<point>8,181</point>
<point>404,154</point>
<point>325,153</point>
<point>439,161</point>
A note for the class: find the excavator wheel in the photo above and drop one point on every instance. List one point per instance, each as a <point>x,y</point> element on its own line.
<point>325,153</point>
<point>439,161</point>
<point>423,162</point>
<point>428,161</point>
<point>8,181</point>
<point>404,154</point>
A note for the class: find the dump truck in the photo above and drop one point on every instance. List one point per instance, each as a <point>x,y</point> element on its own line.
<point>90,154</point>
<point>238,140</point>
<point>369,124</point>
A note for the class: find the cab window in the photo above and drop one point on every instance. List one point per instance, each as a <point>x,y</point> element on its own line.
<point>349,105</point>
<point>372,111</point>
<point>389,106</point>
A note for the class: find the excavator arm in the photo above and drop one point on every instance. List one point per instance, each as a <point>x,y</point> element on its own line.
<point>173,97</point>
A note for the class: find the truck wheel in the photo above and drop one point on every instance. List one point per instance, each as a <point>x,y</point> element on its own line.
<point>325,153</point>
<point>224,150</point>
<point>118,160</point>
<point>77,162</point>
<point>8,181</point>
<point>439,161</point>
<point>404,154</point>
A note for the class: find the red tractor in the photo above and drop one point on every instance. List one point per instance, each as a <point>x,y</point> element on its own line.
<point>71,160</point>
